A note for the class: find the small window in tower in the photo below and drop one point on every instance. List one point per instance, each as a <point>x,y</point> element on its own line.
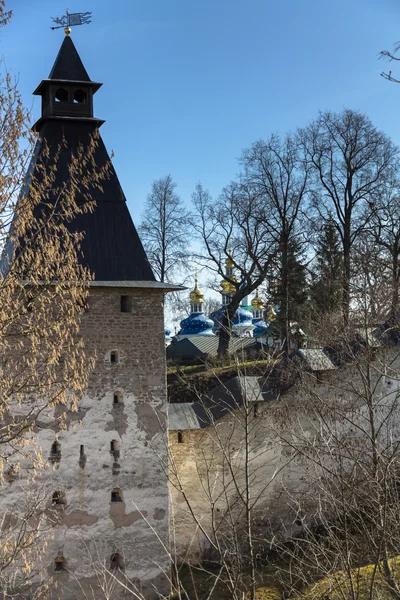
<point>118,398</point>
<point>126,304</point>
<point>29,302</point>
<point>82,456</point>
<point>116,495</point>
<point>55,451</point>
<point>180,437</point>
<point>256,410</point>
<point>60,564</point>
<point>58,498</point>
<point>80,97</point>
<point>113,356</point>
<point>61,95</point>
<point>116,562</point>
<point>114,448</point>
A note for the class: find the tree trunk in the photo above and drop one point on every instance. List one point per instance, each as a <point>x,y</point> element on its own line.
<point>225,332</point>
<point>284,300</point>
<point>346,273</point>
<point>395,284</point>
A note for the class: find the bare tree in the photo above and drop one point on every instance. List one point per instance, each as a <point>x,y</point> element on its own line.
<point>385,235</point>
<point>351,162</point>
<point>165,229</point>
<point>346,504</point>
<point>279,177</point>
<point>234,229</point>
<point>256,218</point>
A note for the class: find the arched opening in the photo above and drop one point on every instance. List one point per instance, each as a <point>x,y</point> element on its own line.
<point>180,437</point>
<point>114,357</point>
<point>60,564</point>
<point>116,495</point>
<point>116,561</point>
<point>58,498</point>
<point>118,398</point>
<point>61,95</point>
<point>80,97</point>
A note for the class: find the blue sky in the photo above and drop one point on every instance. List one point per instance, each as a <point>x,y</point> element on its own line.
<point>188,84</point>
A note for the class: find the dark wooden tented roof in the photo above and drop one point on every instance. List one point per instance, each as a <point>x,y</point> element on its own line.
<point>68,64</point>
<point>111,247</point>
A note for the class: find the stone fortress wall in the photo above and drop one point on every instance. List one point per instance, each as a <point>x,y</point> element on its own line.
<point>108,463</point>
<point>207,464</point>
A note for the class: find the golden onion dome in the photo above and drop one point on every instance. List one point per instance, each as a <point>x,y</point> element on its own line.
<point>257,302</point>
<point>271,314</point>
<point>227,287</point>
<point>196,296</point>
<point>229,263</point>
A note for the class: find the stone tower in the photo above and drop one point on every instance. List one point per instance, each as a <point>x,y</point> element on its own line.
<point>109,469</point>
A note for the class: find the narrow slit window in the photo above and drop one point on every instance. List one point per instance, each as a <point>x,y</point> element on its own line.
<point>116,495</point>
<point>58,498</point>
<point>29,303</point>
<point>114,449</point>
<point>114,357</point>
<point>126,304</point>
<point>55,451</point>
<point>117,399</point>
<point>180,437</point>
<point>114,445</point>
<point>82,456</point>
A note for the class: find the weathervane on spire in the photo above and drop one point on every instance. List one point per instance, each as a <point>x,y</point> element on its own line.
<point>70,20</point>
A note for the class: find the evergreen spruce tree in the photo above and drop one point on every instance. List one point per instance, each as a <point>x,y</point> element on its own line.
<point>290,291</point>
<point>326,289</point>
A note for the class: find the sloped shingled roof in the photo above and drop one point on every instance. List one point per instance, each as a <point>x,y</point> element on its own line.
<point>201,346</point>
<point>316,359</point>
<point>186,416</point>
<point>217,403</point>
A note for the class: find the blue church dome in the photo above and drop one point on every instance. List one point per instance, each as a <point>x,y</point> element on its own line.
<point>261,329</point>
<point>243,317</point>
<point>196,324</point>
<point>217,316</point>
